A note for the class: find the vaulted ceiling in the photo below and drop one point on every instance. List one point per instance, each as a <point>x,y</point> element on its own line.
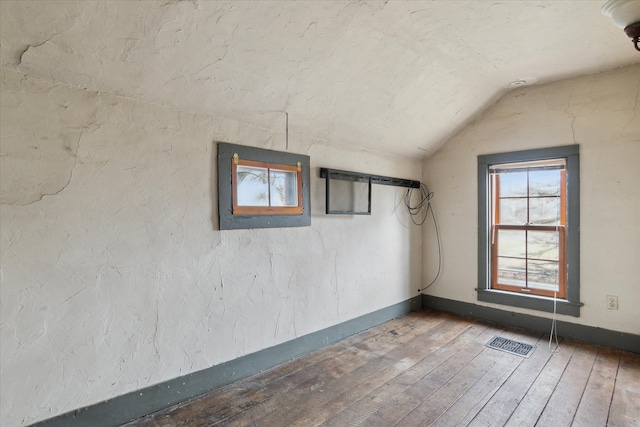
<point>393,76</point>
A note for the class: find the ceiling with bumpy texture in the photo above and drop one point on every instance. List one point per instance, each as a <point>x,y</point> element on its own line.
<point>397,77</point>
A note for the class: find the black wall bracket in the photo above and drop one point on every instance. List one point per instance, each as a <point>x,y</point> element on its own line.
<point>375,179</point>
<point>356,202</point>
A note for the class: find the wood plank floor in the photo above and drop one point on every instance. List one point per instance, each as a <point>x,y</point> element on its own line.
<point>428,368</point>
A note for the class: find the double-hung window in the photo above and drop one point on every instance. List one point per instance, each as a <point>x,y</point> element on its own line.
<point>528,227</point>
<point>528,223</point>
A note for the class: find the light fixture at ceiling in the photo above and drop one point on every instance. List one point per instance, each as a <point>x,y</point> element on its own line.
<point>626,15</point>
<point>523,81</point>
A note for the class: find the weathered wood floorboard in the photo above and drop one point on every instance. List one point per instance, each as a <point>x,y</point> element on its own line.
<point>427,368</point>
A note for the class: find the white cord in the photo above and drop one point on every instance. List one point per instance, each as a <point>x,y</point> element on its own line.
<point>554,327</point>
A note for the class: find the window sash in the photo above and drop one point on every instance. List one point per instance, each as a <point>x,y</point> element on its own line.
<point>238,209</point>
<point>495,226</point>
<point>496,283</point>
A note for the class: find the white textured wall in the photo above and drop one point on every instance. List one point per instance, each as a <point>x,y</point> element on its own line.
<point>601,113</point>
<point>114,276</point>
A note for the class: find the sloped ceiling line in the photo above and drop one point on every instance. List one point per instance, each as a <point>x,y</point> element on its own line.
<point>393,77</point>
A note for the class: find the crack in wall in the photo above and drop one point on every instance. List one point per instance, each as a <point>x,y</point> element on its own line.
<point>155,330</point>
<point>573,129</point>
<point>573,117</point>
<point>64,186</point>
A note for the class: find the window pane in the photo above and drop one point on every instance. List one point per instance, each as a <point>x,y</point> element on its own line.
<point>512,272</point>
<point>511,243</point>
<point>513,211</point>
<point>543,275</point>
<point>544,211</point>
<point>543,245</point>
<point>513,184</point>
<point>252,187</point>
<point>284,188</point>
<point>544,183</point>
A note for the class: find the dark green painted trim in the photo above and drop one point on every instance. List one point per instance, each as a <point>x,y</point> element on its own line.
<point>572,305</point>
<point>531,302</point>
<point>599,336</point>
<point>122,409</point>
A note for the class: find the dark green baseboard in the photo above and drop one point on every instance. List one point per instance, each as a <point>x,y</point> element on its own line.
<point>122,409</point>
<point>594,335</point>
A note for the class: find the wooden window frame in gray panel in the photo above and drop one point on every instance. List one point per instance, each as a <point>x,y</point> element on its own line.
<point>230,221</point>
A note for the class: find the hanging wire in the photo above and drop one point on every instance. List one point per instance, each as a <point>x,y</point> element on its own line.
<point>424,205</point>
<point>554,327</point>
<point>425,200</point>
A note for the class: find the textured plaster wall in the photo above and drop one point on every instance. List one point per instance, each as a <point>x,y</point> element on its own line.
<point>114,275</point>
<point>601,113</point>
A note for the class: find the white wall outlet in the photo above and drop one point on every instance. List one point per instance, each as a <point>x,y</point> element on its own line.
<point>612,302</point>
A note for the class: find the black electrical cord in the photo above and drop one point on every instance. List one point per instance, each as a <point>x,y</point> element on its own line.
<point>426,197</point>
<point>425,200</point>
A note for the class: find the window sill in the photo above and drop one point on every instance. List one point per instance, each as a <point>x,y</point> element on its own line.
<point>531,302</point>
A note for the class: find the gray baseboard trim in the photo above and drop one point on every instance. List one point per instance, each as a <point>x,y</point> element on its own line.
<point>127,407</point>
<point>599,336</point>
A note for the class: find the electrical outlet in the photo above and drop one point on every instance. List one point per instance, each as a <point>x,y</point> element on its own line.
<point>612,302</point>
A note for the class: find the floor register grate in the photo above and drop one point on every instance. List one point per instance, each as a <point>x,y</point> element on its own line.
<point>510,346</point>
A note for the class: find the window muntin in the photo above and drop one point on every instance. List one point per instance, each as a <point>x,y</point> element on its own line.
<point>528,227</point>
<point>261,188</point>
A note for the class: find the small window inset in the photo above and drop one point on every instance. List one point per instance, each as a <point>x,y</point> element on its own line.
<point>261,188</point>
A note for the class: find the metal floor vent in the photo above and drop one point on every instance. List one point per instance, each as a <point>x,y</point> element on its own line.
<point>510,346</point>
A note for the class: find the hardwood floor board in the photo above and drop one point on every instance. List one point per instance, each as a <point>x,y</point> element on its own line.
<point>324,370</point>
<point>321,397</point>
<point>383,344</point>
<point>498,409</point>
<point>286,398</point>
<point>423,378</point>
<point>464,409</point>
<point>317,412</point>
<point>451,366</point>
<point>283,413</point>
<point>374,346</point>
<point>426,346</point>
<point>365,407</point>
<point>431,408</point>
<point>336,350</point>
<point>427,368</point>
<point>321,361</point>
<point>625,405</point>
<point>249,390</point>
<point>533,403</point>
<point>319,409</point>
<point>561,407</point>
<point>254,390</point>
<point>594,405</point>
